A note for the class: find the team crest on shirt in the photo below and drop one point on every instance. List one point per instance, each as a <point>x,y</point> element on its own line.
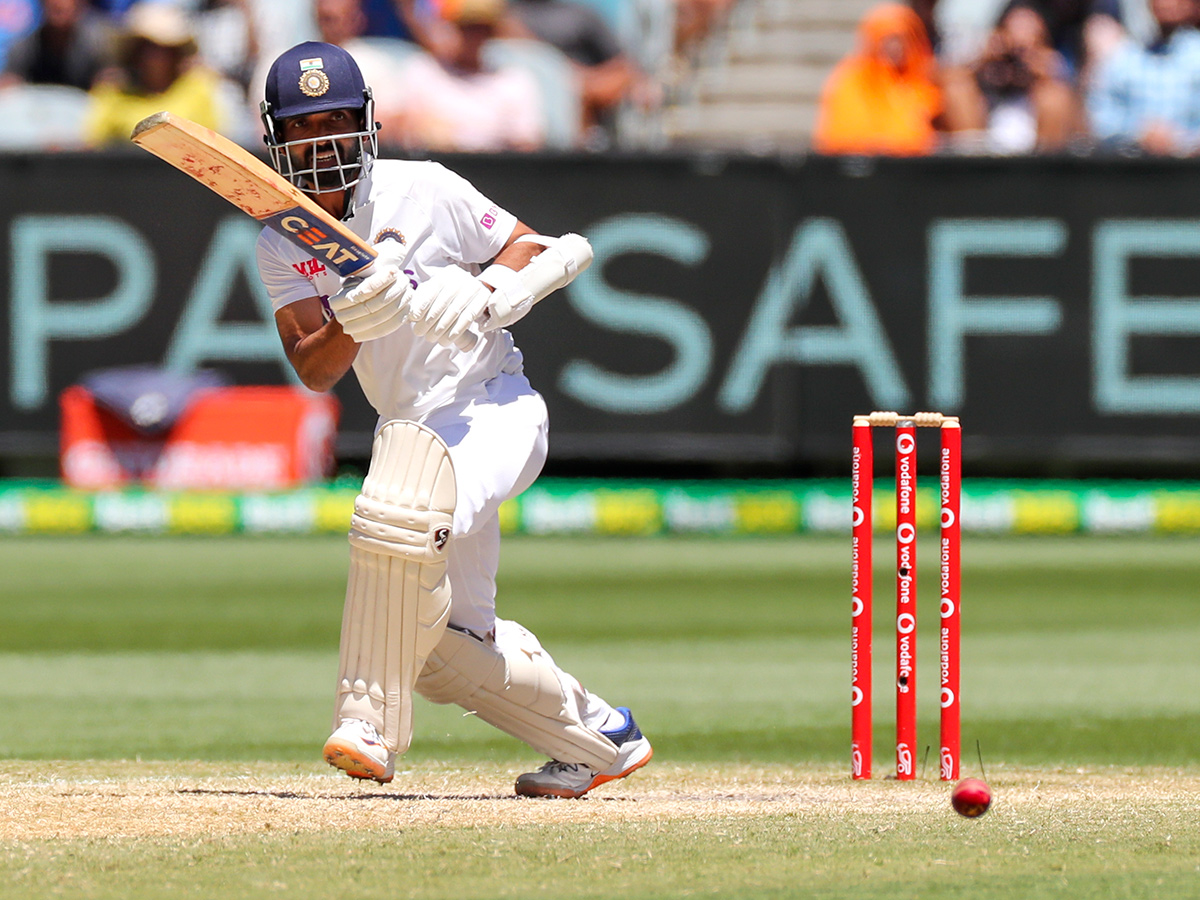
<point>389,234</point>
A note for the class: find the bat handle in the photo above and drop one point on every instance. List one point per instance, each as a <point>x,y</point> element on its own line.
<point>467,341</point>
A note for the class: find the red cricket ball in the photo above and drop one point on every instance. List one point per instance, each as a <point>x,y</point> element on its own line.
<point>971,798</point>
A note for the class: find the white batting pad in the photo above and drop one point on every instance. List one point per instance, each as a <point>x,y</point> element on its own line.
<point>512,683</point>
<point>398,596</point>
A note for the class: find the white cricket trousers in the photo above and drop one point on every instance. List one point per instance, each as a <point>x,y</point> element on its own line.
<point>497,437</point>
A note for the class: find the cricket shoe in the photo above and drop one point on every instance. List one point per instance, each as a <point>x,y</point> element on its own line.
<point>572,780</point>
<point>357,748</point>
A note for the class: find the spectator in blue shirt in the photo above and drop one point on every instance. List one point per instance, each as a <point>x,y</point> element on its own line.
<point>1147,98</point>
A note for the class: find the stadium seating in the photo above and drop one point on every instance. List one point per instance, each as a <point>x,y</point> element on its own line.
<point>42,117</point>
<point>756,83</point>
<point>555,76</point>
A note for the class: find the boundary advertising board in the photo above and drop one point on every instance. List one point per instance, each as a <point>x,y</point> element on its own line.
<point>739,309</point>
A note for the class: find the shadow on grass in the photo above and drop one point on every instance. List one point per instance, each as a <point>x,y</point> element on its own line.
<point>372,795</point>
<point>381,795</point>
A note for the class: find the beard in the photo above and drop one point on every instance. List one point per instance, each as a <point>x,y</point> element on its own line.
<point>329,168</point>
<point>335,179</point>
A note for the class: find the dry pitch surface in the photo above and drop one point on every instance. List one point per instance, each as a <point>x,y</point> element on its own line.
<point>72,800</point>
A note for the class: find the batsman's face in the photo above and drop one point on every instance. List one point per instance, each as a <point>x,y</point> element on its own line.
<point>322,140</point>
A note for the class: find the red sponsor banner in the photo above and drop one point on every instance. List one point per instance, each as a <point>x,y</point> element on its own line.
<point>255,438</point>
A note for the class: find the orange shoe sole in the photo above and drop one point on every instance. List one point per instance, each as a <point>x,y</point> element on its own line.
<point>568,794</point>
<point>345,756</point>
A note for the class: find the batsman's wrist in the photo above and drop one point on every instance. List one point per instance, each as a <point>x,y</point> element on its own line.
<point>508,294</point>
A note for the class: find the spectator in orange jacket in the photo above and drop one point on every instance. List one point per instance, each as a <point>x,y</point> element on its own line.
<point>883,99</point>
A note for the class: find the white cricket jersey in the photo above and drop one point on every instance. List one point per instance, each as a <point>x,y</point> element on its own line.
<point>424,217</point>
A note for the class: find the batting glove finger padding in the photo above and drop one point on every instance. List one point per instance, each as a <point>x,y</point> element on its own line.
<point>444,307</point>
<point>425,296</point>
<point>459,315</point>
<point>372,307</point>
<point>356,290</point>
<point>374,324</point>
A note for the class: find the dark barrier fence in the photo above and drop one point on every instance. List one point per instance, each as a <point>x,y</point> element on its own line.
<point>739,310</point>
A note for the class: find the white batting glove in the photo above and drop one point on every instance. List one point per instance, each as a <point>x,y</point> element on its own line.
<point>373,307</point>
<point>444,307</point>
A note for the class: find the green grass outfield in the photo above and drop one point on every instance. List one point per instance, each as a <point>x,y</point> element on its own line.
<point>214,659</point>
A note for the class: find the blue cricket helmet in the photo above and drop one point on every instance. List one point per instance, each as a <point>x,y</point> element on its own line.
<point>314,77</point>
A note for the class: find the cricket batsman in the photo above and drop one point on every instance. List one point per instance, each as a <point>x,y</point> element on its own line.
<point>460,431</point>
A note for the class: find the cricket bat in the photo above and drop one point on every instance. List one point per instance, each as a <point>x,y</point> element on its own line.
<point>255,188</point>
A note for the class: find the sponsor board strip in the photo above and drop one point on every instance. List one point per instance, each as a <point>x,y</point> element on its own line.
<point>588,506</point>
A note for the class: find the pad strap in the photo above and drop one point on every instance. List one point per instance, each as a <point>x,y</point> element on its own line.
<point>406,507</point>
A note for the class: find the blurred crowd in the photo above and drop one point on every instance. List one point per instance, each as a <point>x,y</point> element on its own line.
<point>927,76</point>
<point>1016,77</point>
<point>450,75</point>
